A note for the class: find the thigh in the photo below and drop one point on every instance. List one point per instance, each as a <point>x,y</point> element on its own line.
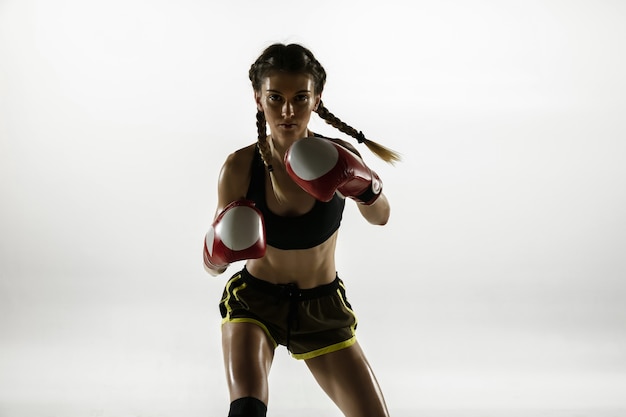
<point>348,379</point>
<point>248,356</point>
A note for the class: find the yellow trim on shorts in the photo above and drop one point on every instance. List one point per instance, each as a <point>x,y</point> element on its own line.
<point>229,319</point>
<point>226,299</point>
<point>252,321</point>
<point>337,346</point>
<point>325,350</point>
<point>228,284</point>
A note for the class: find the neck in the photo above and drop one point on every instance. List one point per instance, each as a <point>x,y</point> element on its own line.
<point>279,147</point>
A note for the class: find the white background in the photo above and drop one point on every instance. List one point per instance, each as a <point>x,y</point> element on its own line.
<point>498,284</point>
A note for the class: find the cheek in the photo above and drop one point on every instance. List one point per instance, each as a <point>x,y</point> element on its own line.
<point>271,108</point>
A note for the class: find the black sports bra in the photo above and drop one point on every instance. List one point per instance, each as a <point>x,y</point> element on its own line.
<point>297,232</point>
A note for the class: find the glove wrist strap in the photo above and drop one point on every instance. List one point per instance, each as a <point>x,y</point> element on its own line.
<point>372,193</point>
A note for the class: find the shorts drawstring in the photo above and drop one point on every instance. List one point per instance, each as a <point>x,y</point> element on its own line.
<point>293,294</point>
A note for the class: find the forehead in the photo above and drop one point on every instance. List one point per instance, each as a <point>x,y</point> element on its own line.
<point>286,82</point>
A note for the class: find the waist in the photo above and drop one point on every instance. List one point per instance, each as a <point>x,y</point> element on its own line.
<point>290,290</point>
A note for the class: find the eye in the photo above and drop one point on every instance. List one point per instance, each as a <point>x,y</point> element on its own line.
<point>302,97</point>
<point>274,97</point>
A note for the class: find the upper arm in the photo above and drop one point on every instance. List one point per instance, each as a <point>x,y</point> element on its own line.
<point>234,178</point>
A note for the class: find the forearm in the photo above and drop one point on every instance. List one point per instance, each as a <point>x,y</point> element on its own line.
<point>377,213</point>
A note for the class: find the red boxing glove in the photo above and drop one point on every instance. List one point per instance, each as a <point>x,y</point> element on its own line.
<point>237,233</point>
<point>322,167</point>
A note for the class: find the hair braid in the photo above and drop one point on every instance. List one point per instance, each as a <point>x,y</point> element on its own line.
<point>379,150</point>
<point>262,138</point>
<point>266,154</point>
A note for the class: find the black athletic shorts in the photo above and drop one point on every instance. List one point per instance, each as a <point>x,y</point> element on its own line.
<point>310,322</point>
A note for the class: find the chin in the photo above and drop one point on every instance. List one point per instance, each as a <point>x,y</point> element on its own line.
<point>291,133</point>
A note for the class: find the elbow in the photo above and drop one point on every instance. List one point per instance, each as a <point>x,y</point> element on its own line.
<point>381,218</point>
<point>380,221</point>
<point>378,213</point>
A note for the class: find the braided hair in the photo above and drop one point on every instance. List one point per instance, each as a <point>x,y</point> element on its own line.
<point>379,150</point>
<point>294,58</point>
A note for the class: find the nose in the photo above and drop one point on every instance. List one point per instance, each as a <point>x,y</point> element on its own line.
<point>287,110</point>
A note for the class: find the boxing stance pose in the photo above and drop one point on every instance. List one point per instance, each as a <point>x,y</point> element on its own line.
<point>280,204</point>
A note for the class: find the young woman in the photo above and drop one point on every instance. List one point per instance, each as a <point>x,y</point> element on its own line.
<point>280,204</point>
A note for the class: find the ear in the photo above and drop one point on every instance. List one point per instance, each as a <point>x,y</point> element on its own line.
<point>257,100</point>
<point>318,100</point>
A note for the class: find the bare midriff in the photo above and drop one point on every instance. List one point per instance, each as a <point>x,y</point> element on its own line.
<point>307,268</point>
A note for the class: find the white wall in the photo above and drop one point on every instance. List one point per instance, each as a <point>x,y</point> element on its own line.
<point>498,284</point>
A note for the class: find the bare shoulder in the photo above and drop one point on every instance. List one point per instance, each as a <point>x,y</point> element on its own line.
<point>241,158</point>
<point>346,145</point>
<point>234,176</point>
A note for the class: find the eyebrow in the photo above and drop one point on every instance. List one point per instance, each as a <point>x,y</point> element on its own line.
<point>297,92</point>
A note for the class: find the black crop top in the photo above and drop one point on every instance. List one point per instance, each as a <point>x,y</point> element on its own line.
<point>297,232</point>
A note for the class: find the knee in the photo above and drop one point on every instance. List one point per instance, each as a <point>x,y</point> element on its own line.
<point>247,407</point>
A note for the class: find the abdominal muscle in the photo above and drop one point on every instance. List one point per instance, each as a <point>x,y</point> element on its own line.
<point>307,268</point>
